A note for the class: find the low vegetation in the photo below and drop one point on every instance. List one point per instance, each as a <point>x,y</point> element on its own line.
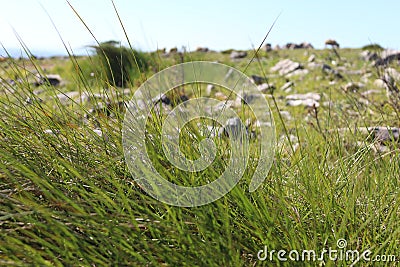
<point>67,197</point>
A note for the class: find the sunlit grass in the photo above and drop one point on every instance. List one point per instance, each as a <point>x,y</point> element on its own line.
<point>67,197</point>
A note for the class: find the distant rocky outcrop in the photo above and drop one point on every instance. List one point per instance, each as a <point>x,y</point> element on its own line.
<point>267,47</point>
<point>387,56</point>
<point>202,49</point>
<point>303,45</point>
<point>238,54</point>
<point>367,55</point>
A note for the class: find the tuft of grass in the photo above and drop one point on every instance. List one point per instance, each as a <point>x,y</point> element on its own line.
<point>121,65</point>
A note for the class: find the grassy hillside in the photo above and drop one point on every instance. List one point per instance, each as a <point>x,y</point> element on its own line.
<point>67,197</point>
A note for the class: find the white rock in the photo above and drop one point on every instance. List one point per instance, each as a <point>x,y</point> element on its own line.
<point>209,88</point>
<point>265,87</point>
<point>220,96</point>
<point>68,96</point>
<point>287,86</point>
<point>286,114</point>
<point>313,96</point>
<point>303,102</point>
<point>298,72</point>
<point>370,92</point>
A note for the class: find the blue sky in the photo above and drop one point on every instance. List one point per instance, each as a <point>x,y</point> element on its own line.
<point>215,24</point>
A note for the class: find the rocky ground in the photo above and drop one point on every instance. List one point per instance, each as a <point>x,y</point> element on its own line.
<point>356,89</point>
<point>68,198</point>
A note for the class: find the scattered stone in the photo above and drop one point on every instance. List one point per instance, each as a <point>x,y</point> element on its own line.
<point>368,55</point>
<point>238,54</point>
<point>303,45</point>
<point>266,87</point>
<point>364,102</point>
<point>353,87</point>
<point>51,132</point>
<point>387,56</point>
<point>64,98</point>
<point>209,88</point>
<point>308,100</point>
<point>310,103</point>
<point>29,100</point>
<point>38,91</point>
<point>286,114</point>
<point>98,132</point>
<point>313,65</point>
<point>287,86</point>
<point>93,98</point>
<point>365,77</point>
<point>49,79</point>
<point>328,69</point>
<point>328,104</point>
<point>220,96</point>
<point>379,148</point>
<point>223,105</point>
<point>393,73</point>
<point>350,72</point>
<point>298,72</point>
<point>380,83</point>
<point>258,79</point>
<point>109,109</point>
<point>127,92</point>
<point>160,108</point>
<point>306,45</point>
<point>258,123</point>
<point>161,97</point>
<point>385,134</point>
<point>246,98</point>
<point>232,126</point>
<point>228,74</point>
<point>313,96</point>
<point>267,47</point>
<point>202,49</point>
<point>286,66</point>
<point>370,92</point>
<point>311,58</point>
<point>168,101</point>
<point>389,82</point>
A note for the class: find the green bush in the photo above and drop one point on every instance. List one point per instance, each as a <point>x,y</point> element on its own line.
<point>120,64</point>
<point>373,47</point>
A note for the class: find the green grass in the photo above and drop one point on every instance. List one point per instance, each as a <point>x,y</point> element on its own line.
<point>67,197</point>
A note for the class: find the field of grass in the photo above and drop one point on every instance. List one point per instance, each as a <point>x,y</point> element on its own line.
<point>68,198</point>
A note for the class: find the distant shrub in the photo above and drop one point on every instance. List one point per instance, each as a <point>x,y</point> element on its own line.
<point>121,64</point>
<point>373,47</point>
